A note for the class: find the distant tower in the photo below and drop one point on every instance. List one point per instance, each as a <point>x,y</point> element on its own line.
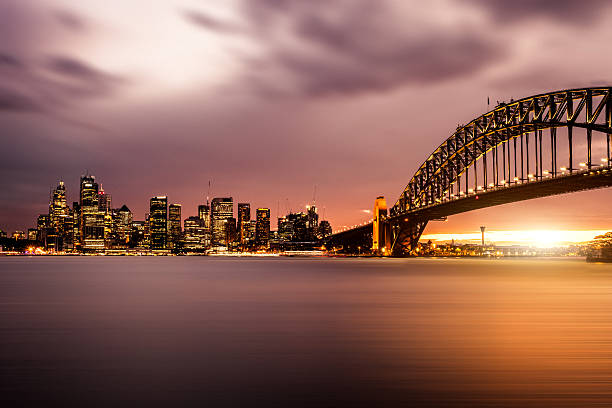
<point>482,230</point>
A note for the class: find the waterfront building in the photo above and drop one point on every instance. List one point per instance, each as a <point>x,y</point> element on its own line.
<point>262,227</point>
<point>244,220</point>
<point>18,235</point>
<point>325,229</point>
<point>123,226</point>
<point>285,230</point>
<point>231,236</point>
<point>174,225</point>
<point>91,218</point>
<point>158,222</point>
<point>105,208</point>
<point>57,206</point>
<point>312,225</point>
<point>137,235</point>
<point>194,236</point>
<point>222,209</point>
<point>32,232</point>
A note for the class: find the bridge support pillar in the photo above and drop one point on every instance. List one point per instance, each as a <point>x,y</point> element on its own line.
<point>405,235</point>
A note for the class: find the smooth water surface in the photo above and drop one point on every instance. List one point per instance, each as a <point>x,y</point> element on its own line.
<point>293,332</point>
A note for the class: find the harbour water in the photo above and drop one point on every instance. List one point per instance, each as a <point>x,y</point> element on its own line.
<point>294,332</point>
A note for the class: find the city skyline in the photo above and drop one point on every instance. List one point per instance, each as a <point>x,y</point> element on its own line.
<point>78,92</point>
<point>93,225</point>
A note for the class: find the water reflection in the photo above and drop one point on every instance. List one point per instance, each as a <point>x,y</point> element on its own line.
<point>305,332</point>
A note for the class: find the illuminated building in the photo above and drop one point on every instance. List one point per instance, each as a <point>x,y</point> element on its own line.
<point>91,218</point>
<point>32,234</point>
<point>137,235</point>
<point>205,231</point>
<point>105,208</point>
<point>231,237</point>
<point>57,206</point>
<point>174,225</point>
<point>158,222</point>
<point>325,229</point>
<point>244,220</point>
<point>312,223</point>
<point>285,229</point>
<point>123,225</point>
<point>18,235</point>
<point>262,227</point>
<point>222,209</point>
<point>194,235</point>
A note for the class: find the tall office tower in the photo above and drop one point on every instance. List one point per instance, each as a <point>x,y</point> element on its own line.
<point>222,208</point>
<point>204,215</point>
<point>285,230</point>
<point>68,231</point>
<point>174,225</point>
<point>231,236</point>
<point>262,227</point>
<point>57,206</point>
<point>76,228</point>
<point>158,222</point>
<point>312,225</point>
<point>45,231</point>
<point>244,219</point>
<point>91,218</point>
<point>193,237</point>
<point>123,226</point>
<point>58,211</point>
<point>205,231</point>
<point>105,208</point>
<point>146,243</point>
<point>325,229</point>
<point>104,201</point>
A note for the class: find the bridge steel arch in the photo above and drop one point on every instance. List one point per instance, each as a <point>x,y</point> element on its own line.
<point>494,146</point>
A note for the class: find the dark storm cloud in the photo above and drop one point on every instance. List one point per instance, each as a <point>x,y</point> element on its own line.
<point>84,79</point>
<point>202,20</point>
<point>353,47</point>
<point>11,100</point>
<point>30,79</point>
<point>570,11</point>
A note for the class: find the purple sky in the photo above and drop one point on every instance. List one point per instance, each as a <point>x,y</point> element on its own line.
<point>268,98</point>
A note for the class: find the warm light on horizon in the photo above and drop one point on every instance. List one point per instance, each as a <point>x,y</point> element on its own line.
<point>536,238</point>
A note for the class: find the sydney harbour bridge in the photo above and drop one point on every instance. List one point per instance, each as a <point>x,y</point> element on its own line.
<point>539,146</point>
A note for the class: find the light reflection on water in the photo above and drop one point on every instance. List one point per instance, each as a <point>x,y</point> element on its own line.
<point>305,332</point>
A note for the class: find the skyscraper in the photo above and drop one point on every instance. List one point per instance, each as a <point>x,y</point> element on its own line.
<point>174,225</point>
<point>123,226</point>
<point>262,227</point>
<point>58,214</point>
<point>244,218</point>
<point>105,208</point>
<point>158,222</point>
<point>313,223</point>
<point>222,209</point>
<point>58,207</point>
<point>91,218</point>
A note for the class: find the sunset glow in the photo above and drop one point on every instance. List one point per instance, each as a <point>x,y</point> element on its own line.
<point>536,238</point>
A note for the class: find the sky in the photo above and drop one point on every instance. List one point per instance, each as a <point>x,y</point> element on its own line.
<point>278,102</point>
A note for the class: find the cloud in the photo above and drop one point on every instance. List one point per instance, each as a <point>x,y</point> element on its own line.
<point>84,80</point>
<point>11,100</point>
<point>342,47</point>
<point>70,20</point>
<point>569,11</point>
<point>202,20</point>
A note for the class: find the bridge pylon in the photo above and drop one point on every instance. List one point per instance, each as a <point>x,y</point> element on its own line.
<point>381,242</point>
